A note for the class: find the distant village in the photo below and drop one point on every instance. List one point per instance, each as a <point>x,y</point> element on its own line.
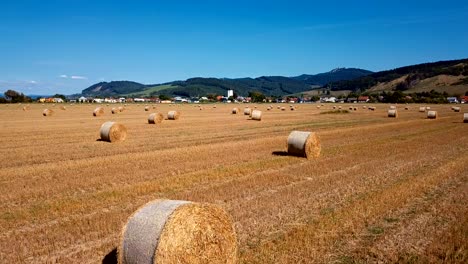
<point>229,98</point>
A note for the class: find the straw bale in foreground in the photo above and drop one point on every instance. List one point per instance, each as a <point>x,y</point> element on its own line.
<point>169,231</point>
<point>113,132</point>
<point>304,144</point>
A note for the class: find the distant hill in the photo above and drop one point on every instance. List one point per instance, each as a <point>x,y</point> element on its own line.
<point>113,88</point>
<point>443,76</point>
<point>337,74</point>
<point>269,85</point>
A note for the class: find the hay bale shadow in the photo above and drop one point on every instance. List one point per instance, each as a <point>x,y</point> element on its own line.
<point>111,257</point>
<point>280,153</point>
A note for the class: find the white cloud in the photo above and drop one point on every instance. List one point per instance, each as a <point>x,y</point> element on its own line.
<point>32,82</point>
<point>63,76</point>
<point>79,77</point>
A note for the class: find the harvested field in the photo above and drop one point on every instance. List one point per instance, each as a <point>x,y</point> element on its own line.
<point>382,190</point>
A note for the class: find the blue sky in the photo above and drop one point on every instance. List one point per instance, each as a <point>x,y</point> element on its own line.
<point>65,46</point>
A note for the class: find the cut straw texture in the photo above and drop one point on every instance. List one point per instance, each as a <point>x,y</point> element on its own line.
<point>113,132</point>
<point>169,231</point>
<point>256,115</point>
<point>155,118</point>
<point>47,112</point>
<point>173,115</point>
<point>465,118</point>
<point>99,111</point>
<point>392,107</point>
<point>392,113</point>
<point>432,114</point>
<point>63,107</point>
<point>304,144</point>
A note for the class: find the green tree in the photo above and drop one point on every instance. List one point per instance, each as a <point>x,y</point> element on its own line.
<point>59,96</point>
<point>16,97</point>
<point>257,96</point>
<point>211,96</point>
<point>164,97</point>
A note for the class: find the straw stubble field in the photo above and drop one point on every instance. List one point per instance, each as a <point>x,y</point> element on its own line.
<point>384,189</point>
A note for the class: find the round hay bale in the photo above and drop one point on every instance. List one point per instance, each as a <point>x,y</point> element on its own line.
<point>432,114</point>
<point>465,118</point>
<point>304,144</point>
<point>392,107</point>
<point>334,107</point>
<point>355,108</point>
<point>155,118</point>
<point>247,111</point>
<point>364,107</point>
<point>406,108</point>
<point>456,109</point>
<point>392,113</point>
<point>339,107</point>
<point>113,132</point>
<point>214,106</point>
<point>278,107</point>
<point>25,108</point>
<point>121,109</point>
<point>235,110</point>
<point>171,231</point>
<point>63,107</point>
<point>114,110</point>
<point>422,109</point>
<point>293,108</point>
<point>268,108</point>
<point>428,108</point>
<point>283,108</point>
<point>318,106</point>
<point>47,112</point>
<point>98,111</point>
<point>147,108</point>
<point>256,115</point>
<point>173,115</point>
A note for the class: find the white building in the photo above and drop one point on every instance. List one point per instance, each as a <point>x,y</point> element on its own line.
<point>329,99</point>
<point>82,99</point>
<point>230,93</point>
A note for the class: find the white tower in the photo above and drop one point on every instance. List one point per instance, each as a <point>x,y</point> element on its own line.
<point>230,93</point>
